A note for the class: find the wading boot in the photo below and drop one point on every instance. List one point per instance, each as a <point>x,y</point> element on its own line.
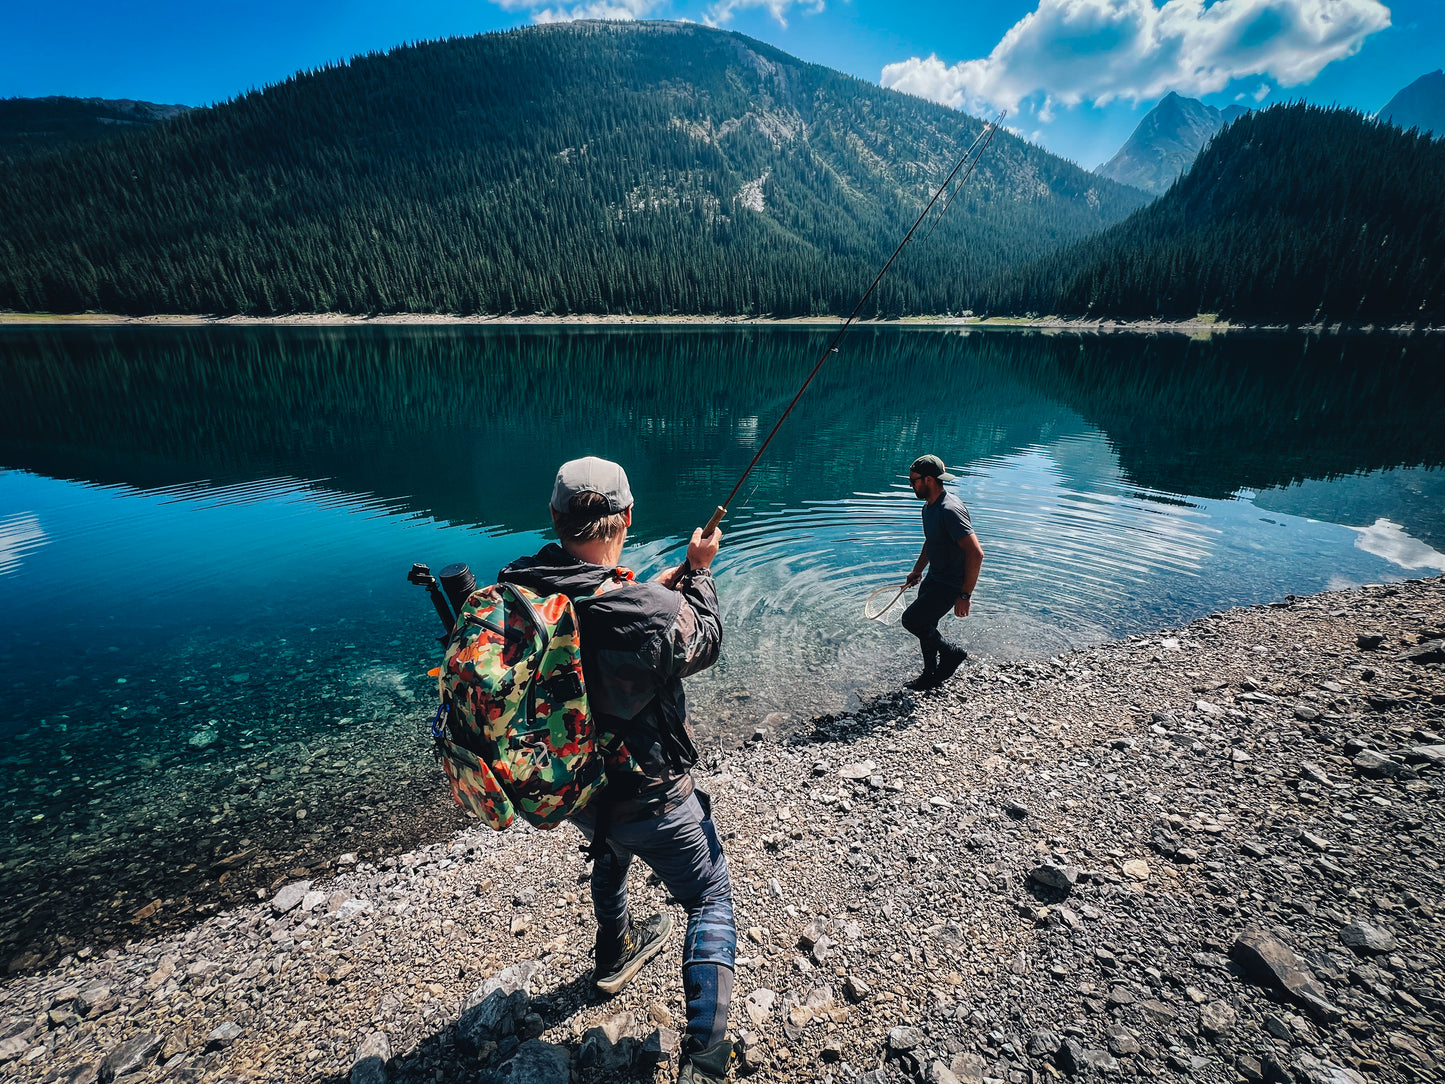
<point>708,1066</point>
<point>641,943</point>
<point>949,660</point>
<point>922,681</point>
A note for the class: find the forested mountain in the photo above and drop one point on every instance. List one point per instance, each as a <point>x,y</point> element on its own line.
<point>28,125</point>
<point>586,167</point>
<point>1166,142</point>
<point>1294,214</point>
<point>1420,105</point>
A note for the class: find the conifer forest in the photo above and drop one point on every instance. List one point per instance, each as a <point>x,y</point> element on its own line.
<point>612,168</point>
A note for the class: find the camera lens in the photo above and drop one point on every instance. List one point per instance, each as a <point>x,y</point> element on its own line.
<point>458,582</point>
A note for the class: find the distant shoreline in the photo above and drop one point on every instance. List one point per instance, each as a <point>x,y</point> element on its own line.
<point>1196,327</point>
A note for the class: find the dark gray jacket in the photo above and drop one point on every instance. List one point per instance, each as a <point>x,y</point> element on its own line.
<point>639,640</point>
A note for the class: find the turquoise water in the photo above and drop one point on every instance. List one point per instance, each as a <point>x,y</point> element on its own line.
<point>204,536</point>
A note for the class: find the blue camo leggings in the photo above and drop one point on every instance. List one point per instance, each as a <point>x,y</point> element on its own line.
<point>682,848</point>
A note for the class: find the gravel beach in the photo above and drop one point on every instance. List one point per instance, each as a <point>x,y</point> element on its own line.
<point>1211,853</point>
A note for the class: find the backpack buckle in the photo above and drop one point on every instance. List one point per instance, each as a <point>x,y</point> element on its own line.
<point>439,721</point>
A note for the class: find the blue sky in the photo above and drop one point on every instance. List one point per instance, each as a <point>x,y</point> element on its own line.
<point>1075,75</point>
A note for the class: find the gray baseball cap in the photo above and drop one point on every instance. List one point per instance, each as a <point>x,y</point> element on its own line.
<point>592,475</point>
<point>930,466</point>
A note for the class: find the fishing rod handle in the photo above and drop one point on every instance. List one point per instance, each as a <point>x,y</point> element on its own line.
<point>716,519</point>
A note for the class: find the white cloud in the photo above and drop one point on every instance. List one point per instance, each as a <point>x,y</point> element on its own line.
<point>1072,51</point>
<point>544,11</point>
<point>722,11</point>
<point>1389,540</point>
<point>718,13</point>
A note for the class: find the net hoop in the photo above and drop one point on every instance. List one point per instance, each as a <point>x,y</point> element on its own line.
<point>875,607</point>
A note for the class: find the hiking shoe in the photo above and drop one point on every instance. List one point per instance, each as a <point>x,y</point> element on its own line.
<point>949,660</point>
<point>921,682</point>
<point>708,1066</point>
<point>643,941</point>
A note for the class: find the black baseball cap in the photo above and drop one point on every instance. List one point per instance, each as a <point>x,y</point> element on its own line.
<point>930,466</point>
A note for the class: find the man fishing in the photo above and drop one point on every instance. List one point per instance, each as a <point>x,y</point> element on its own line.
<point>638,641</point>
<point>953,556</point>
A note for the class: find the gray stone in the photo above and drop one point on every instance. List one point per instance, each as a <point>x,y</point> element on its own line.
<point>1122,1041</point>
<point>90,997</point>
<point>968,1067</point>
<point>758,1004</point>
<point>1017,810</point>
<point>1309,1069</point>
<point>1269,961</point>
<point>371,1061</point>
<point>1121,995</point>
<point>1364,937</point>
<point>749,1052</point>
<point>1250,1068</point>
<point>938,1073</point>
<point>858,771</point>
<point>662,1045</point>
<point>1074,1058</point>
<point>814,932</point>
<point>203,739</point>
<point>509,980</point>
<point>223,1036</point>
<point>1370,762</point>
<point>1426,754</point>
<point>1216,1018</point>
<point>1314,773</point>
<point>290,896</point>
<point>12,1048</point>
<point>493,1018</point>
<point>1369,641</point>
<point>1158,1010</point>
<point>1428,652</point>
<point>610,1045</point>
<point>136,1053</point>
<point>904,1038</point>
<point>1054,876</point>
<point>1043,1044</point>
<point>535,1062</point>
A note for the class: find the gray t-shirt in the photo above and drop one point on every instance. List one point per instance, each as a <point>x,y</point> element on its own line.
<point>945,521</point>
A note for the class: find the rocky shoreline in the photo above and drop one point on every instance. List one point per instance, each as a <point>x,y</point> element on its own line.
<point>1207,854</point>
<point>1204,324</point>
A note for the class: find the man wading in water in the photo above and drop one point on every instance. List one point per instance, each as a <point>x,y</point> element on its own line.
<point>953,557</point>
<point>638,641</point>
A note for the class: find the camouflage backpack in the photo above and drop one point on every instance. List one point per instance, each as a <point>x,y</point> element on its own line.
<point>513,729</point>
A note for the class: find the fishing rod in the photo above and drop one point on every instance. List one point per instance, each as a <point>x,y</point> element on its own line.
<point>985,137</point>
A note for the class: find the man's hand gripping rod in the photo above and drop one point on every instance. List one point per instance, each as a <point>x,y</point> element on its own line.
<point>984,137</point>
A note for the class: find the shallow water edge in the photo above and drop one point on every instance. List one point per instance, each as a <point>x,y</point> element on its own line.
<point>228,841</point>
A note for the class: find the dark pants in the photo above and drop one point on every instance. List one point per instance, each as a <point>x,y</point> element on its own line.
<point>934,600</point>
<point>683,849</point>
